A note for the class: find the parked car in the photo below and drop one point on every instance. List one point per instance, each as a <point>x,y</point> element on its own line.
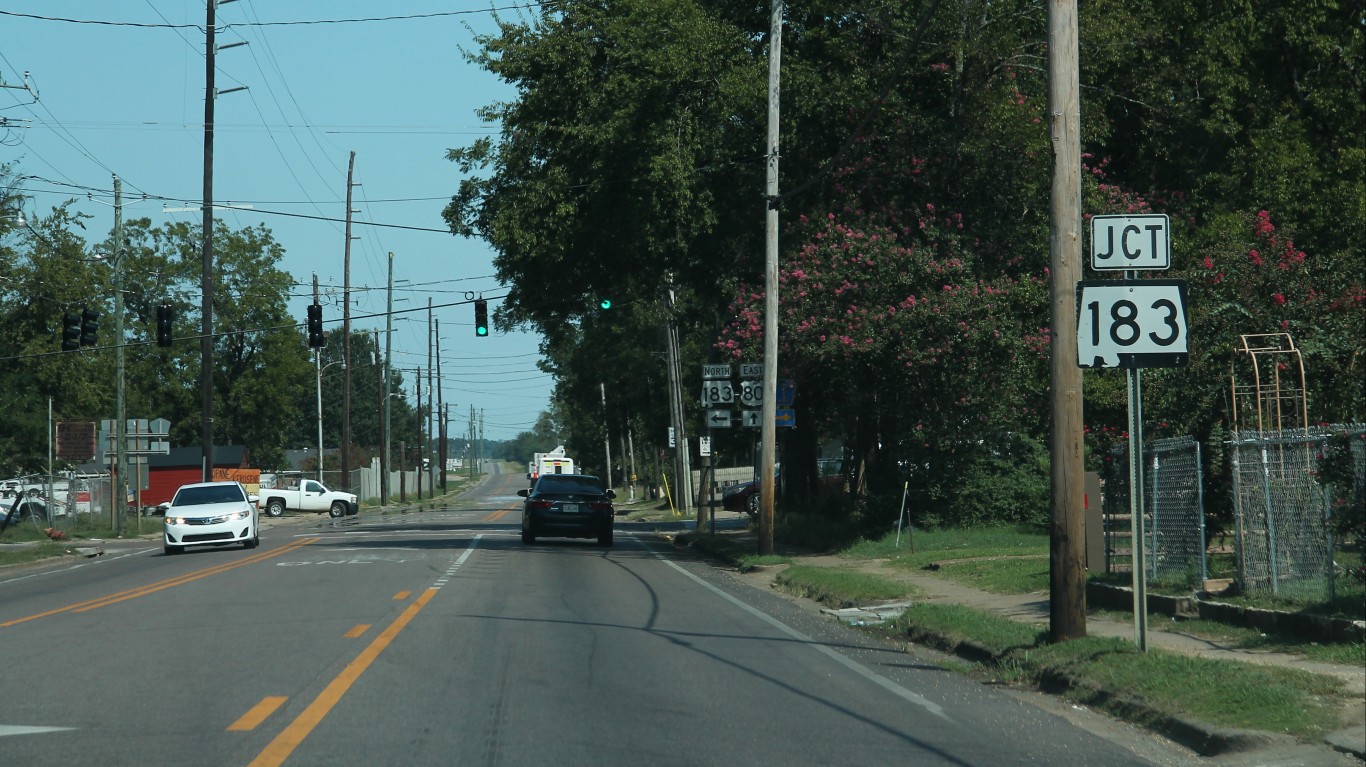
<point>742,497</point>
<point>745,496</point>
<point>567,506</point>
<point>210,514</point>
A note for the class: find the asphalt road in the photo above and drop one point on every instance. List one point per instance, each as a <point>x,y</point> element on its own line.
<point>438,638</point>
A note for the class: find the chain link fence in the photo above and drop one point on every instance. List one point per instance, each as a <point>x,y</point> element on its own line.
<point>1173,512</point>
<point>1283,514</point>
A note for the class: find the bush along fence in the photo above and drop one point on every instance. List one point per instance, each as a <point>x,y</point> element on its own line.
<point>1283,509</point>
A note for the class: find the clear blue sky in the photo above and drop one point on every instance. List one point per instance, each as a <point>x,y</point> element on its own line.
<point>121,91</point>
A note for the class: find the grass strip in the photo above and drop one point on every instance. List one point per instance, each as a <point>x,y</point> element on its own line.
<point>44,550</point>
<point>1000,576</point>
<point>839,587</point>
<point>1220,692</point>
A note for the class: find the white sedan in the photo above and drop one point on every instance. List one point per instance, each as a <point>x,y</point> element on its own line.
<point>210,514</point>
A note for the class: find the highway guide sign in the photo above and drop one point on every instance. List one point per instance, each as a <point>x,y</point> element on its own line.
<point>1131,242</point>
<point>715,371</point>
<point>1132,324</point>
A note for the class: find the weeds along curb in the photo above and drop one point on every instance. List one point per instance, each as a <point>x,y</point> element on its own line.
<point>1201,737</point>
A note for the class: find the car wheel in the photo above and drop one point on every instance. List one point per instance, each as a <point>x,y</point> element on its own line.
<point>528,538</point>
<point>605,539</point>
<point>170,550</point>
<point>752,505</point>
<point>338,509</point>
<point>275,507</point>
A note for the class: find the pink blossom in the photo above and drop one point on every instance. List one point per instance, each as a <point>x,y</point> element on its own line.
<point>1279,298</point>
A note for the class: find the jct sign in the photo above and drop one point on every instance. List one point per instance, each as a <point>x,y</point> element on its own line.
<point>1131,242</point>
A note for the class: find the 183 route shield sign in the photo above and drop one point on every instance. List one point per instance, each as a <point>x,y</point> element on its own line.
<point>1132,324</point>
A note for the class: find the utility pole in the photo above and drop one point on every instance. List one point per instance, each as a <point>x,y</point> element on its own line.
<point>211,94</point>
<point>346,331</point>
<point>606,434</point>
<point>1067,527</point>
<point>439,460</point>
<point>469,443</point>
<point>631,451</point>
<point>120,414</point>
<point>768,426</point>
<point>431,411</point>
<point>388,360</point>
<point>445,422</point>
<point>417,375</point>
<point>682,468</point>
<point>318,363</point>
<point>379,414</point>
<point>206,258</point>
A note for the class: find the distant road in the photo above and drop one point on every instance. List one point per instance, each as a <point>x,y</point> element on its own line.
<point>438,638</point>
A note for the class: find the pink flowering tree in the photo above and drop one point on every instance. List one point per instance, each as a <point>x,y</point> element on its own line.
<point>898,347</point>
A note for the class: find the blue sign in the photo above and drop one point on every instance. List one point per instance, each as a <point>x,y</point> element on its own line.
<point>787,391</point>
<point>785,417</point>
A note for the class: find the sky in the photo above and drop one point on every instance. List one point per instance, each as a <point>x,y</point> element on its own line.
<point>119,90</point>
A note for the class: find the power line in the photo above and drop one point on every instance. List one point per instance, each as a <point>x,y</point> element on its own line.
<point>301,22</point>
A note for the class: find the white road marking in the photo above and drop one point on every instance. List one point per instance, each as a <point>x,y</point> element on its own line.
<point>18,729</point>
<point>849,663</point>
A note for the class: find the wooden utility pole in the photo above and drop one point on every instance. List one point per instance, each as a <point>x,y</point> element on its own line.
<point>606,434</point>
<point>379,414</point>
<point>768,424</point>
<point>417,374</point>
<point>346,334</point>
<point>439,460</point>
<point>431,409</point>
<point>1067,530</point>
<point>119,473</point>
<point>206,258</point>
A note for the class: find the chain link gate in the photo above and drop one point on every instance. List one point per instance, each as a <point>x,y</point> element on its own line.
<point>1173,511</point>
<point>1283,514</point>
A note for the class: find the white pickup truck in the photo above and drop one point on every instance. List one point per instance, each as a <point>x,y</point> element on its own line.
<point>300,494</point>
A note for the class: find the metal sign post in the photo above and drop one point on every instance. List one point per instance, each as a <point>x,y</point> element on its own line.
<point>1133,324</point>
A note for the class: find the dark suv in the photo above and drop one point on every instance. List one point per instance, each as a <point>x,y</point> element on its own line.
<point>568,506</point>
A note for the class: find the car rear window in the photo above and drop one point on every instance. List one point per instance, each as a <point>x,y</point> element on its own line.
<point>564,484</point>
<point>198,496</point>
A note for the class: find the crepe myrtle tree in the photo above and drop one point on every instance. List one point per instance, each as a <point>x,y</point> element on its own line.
<point>918,361</point>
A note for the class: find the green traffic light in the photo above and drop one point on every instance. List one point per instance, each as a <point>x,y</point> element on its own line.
<point>605,303</point>
<point>481,331</point>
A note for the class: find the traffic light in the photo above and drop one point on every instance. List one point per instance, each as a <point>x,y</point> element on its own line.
<point>481,318</point>
<point>71,332</point>
<point>604,303</point>
<point>165,319</point>
<point>315,327</point>
<point>90,327</point>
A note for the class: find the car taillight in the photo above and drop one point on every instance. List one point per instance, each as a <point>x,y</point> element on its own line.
<point>600,506</point>
<point>540,505</point>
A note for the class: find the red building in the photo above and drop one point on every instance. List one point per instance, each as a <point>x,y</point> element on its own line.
<point>184,465</point>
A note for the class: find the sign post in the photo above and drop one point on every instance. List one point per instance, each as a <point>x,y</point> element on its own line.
<point>1133,324</point>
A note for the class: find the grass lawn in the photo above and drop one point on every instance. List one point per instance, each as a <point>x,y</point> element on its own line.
<point>840,587</point>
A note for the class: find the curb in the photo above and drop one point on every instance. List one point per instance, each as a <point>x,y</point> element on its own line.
<point>1201,737</point>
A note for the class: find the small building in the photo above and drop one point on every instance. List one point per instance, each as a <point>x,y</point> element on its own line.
<point>185,465</point>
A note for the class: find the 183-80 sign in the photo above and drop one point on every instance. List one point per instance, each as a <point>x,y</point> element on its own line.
<point>1132,324</point>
